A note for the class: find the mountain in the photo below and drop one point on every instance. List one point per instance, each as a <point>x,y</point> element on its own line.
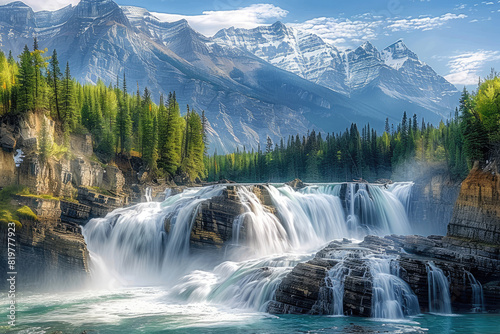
<point>304,54</point>
<point>394,77</point>
<point>250,84</point>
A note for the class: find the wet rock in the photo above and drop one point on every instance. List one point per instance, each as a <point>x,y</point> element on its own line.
<point>213,223</point>
<point>296,184</point>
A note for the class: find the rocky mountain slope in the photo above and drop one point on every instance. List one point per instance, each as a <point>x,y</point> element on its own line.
<point>395,75</point>
<point>287,83</point>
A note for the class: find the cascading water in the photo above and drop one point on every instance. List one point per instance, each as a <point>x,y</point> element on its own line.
<point>439,290</point>
<point>148,194</point>
<point>334,281</point>
<point>264,233</point>
<point>402,191</point>
<point>133,241</point>
<point>392,297</point>
<point>310,220</point>
<point>246,285</point>
<point>371,209</point>
<point>149,243</point>
<point>477,293</point>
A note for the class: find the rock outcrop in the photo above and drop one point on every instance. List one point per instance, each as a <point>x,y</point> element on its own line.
<point>304,290</point>
<point>49,253</point>
<point>470,250</point>
<point>213,224</point>
<point>476,216</point>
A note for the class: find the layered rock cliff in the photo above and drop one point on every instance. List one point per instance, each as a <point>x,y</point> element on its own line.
<point>476,216</point>
<point>470,251</point>
<point>48,253</point>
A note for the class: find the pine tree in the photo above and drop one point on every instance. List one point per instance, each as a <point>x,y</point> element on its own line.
<point>124,121</point>
<point>55,73</point>
<point>26,81</point>
<point>68,111</point>
<point>269,145</point>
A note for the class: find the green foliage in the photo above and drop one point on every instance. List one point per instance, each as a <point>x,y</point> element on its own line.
<point>26,212</point>
<point>168,143</point>
<point>26,81</point>
<point>487,102</point>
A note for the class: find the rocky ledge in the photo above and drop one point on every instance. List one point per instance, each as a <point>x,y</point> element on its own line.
<point>468,256</point>
<point>306,289</point>
<point>49,253</point>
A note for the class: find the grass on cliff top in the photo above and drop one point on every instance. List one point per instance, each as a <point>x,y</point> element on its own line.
<point>25,192</point>
<point>11,212</point>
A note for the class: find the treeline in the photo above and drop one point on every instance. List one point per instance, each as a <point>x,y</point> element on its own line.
<point>472,134</point>
<point>120,123</point>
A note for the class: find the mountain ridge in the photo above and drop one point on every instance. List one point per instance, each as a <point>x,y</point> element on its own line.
<point>246,97</point>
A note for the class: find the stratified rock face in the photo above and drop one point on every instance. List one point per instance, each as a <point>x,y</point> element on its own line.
<point>7,168</point>
<point>300,290</point>
<point>304,289</point>
<point>48,253</point>
<point>476,217</point>
<point>213,224</point>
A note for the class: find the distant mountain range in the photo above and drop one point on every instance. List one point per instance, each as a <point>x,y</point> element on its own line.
<point>269,81</point>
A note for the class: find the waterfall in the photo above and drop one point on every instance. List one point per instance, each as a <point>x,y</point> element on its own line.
<point>264,232</point>
<point>371,209</point>
<point>439,290</point>
<point>477,293</point>
<point>148,194</point>
<point>334,281</point>
<point>248,284</point>
<point>148,243</point>
<point>309,220</point>
<point>392,298</point>
<point>402,191</point>
<point>133,241</point>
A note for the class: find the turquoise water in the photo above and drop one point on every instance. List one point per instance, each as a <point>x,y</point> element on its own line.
<point>151,310</point>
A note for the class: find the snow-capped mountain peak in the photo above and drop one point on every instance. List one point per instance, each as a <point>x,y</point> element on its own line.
<point>396,54</point>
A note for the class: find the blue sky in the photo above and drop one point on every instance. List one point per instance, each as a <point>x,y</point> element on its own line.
<point>459,39</point>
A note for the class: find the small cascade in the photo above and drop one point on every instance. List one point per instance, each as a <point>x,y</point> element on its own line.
<point>309,219</point>
<point>245,285</point>
<point>264,234</point>
<point>392,297</point>
<point>477,294</point>
<point>334,281</point>
<point>439,290</point>
<point>148,194</point>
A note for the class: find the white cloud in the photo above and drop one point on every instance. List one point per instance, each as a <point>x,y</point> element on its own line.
<point>345,33</point>
<point>38,5</point>
<point>464,67</point>
<point>423,23</point>
<point>340,31</point>
<point>209,22</point>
